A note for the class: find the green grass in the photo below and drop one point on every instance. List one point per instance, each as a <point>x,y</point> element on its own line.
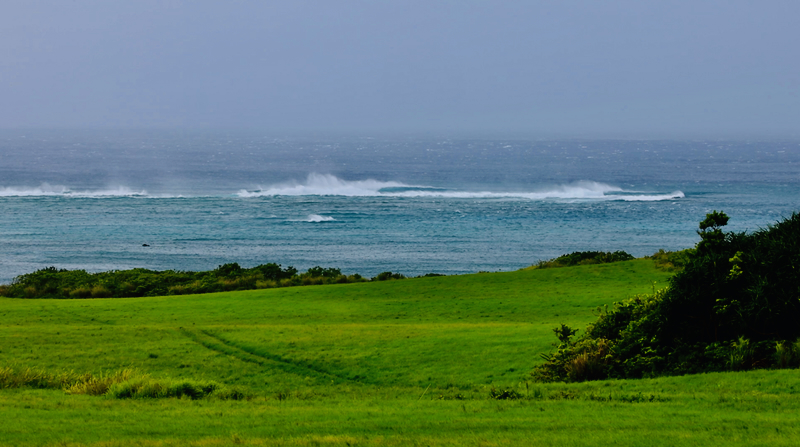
<point>408,362</point>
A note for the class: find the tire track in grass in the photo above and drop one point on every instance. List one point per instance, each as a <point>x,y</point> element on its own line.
<point>219,344</point>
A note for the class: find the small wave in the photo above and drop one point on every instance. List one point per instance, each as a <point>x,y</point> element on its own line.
<point>46,189</point>
<point>318,218</point>
<point>329,185</point>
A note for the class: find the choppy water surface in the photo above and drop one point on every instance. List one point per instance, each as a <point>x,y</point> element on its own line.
<point>91,200</point>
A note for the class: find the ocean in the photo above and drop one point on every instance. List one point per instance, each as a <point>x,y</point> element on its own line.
<point>107,200</point>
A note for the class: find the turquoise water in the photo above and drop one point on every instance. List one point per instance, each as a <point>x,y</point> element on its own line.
<point>366,205</point>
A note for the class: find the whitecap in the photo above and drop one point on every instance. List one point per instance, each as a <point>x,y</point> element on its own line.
<point>647,198</point>
<point>318,218</point>
<point>324,185</point>
<point>330,185</point>
<point>45,189</point>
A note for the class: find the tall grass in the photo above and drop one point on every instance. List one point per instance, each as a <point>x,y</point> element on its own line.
<point>741,355</point>
<point>120,384</point>
<point>99,385</point>
<point>36,378</point>
<point>787,354</point>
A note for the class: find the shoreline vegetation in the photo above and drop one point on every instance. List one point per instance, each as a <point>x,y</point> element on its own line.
<point>52,282</point>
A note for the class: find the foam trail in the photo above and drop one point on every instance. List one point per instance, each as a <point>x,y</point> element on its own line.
<point>579,190</point>
<point>46,189</point>
<point>647,198</point>
<point>329,185</point>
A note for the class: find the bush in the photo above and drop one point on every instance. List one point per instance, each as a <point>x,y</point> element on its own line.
<point>51,282</point>
<point>100,292</point>
<point>787,354</point>
<point>145,387</point>
<point>672,261</point>
<point>385,276</point>
<point>732,307</point>
<point>228,270</point>
<point>584,258</point>
<point>99,385</point>
<point>80,292</point>
<point>504,394</point>
<point>324,272</point>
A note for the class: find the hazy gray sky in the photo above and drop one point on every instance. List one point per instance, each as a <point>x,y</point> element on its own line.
<point>714,68</point>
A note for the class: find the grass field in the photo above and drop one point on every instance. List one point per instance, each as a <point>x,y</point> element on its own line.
<point>409,362</point>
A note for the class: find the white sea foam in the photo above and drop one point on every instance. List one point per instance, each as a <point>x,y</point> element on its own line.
<point>329,185</point>
<point>324,185</point>
<point>647,198</point>
<point>46,189</point>
<point>318,218</point>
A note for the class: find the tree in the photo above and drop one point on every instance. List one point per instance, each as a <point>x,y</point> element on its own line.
<point>710,232</point>
<point>735,305</point>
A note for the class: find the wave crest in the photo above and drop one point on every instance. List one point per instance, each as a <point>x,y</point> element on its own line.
<point>318,218</point>
<point>330,185</point>
<point>45,189</point>
<point>324,185</point>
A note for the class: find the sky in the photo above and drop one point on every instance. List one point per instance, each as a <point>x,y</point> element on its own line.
<point>572,68</point>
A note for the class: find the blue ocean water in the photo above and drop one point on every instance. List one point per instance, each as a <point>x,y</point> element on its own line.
<point>366,204</point>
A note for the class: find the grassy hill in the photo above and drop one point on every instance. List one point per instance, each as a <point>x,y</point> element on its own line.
<point>379,363</point>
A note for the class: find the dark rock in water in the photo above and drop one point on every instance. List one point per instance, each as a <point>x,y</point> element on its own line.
<point>145,245</point>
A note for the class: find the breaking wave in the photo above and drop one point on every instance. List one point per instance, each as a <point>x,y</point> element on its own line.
<point>46,189</point>
<point>329,185</point>
<point>324,185</point>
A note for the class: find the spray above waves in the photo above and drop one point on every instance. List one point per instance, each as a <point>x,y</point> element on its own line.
<point>47,190</point>
<point>325,185</point>
<point>329,185</point>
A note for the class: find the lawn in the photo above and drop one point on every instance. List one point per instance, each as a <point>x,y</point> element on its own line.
<point>408,362</point>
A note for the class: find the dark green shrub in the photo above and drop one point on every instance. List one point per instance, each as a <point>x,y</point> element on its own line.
<point>385,276</point>
<point>273,271</point>
<point>324,272</point>
<point>100,291</point>
<point>504,394</point>
<point>59,283</point>
<point>672,261</point>
<point>583,258</point>
<point>787,354</point>
<point>145,387</point>
<point>732,307</point>
<point>228,270</point>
